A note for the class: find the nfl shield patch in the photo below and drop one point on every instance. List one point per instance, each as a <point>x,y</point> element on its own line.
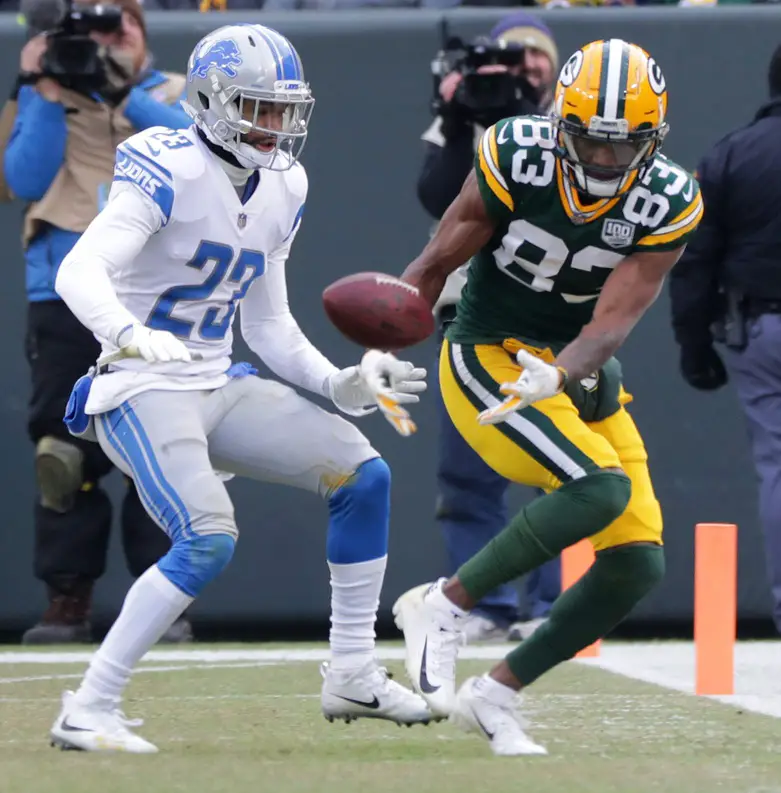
<point>617,233</point>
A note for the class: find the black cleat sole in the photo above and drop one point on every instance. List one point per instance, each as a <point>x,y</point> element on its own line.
<point>64,747</point>
<point>349,719</point>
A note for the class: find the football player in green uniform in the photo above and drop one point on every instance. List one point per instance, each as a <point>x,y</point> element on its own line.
<point>572,222</point>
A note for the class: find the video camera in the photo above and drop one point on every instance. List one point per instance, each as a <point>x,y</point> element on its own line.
<point>72,58</point>
<point>481,98</point>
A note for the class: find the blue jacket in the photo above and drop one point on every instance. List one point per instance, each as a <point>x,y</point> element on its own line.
<point>36,152</point>
<point>738,243</point>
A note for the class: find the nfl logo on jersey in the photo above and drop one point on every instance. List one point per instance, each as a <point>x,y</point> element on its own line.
<point>617,233</point>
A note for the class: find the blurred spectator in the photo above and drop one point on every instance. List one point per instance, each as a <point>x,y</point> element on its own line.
<point>727,288</point>
<point>471,507</point>
<point>59,160</point>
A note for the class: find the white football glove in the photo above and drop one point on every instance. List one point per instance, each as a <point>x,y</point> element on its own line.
<point>539,380</point>
<point>379,381</point>
<point>154,346</point>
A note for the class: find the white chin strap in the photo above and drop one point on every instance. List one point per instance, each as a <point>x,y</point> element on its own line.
<point>249,156</point>
<point>599,188</point>
<point>252,158</point>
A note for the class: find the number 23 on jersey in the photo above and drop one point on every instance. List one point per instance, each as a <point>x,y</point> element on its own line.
<point>171,311</point>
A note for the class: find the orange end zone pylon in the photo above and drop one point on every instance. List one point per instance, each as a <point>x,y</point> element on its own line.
<point>715,607</point>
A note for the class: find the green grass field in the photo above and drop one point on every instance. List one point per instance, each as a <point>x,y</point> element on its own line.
<point>232,728</point>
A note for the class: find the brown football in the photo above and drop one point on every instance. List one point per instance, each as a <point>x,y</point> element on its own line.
<point>378,311</point>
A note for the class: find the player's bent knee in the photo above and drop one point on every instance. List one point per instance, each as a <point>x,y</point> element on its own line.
<point>358,529</point>
<point>612,488</point>
<point>372,480</point>
<point>193,562</point>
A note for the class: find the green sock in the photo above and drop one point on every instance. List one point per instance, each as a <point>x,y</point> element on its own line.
<point>544,528</point>
<point>619,578</point>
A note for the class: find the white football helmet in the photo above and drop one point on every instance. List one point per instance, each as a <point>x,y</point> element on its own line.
<point>246,92</point>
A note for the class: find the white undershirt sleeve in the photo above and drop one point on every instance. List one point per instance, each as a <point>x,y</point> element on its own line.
<point>273,334</point>
<point>113,239</point>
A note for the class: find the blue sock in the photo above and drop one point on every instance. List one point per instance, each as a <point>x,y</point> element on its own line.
<point>360,514</point>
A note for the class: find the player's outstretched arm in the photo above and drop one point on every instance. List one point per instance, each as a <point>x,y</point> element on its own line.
<point>272,333</point>
<point>631,288</point>
<point>464,229</point>
<point>628,293</point>
<point>269,328</point>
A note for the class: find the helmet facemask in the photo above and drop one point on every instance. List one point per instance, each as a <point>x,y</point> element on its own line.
<point>600,160</point>
<point>260,128</point>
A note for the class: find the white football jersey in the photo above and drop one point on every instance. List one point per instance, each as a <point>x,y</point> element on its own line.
<point>192,274</point>
<point>182,250</point>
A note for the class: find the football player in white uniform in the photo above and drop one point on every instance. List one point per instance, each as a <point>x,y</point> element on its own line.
<point>199,222</point>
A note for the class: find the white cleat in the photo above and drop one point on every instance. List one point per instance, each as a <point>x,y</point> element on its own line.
<point>369,693</point>
<point>501,725</point>
<point>96,730</point>
<point>432,637</point>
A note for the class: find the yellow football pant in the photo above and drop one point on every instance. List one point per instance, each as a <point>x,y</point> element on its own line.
<point>547,443</point>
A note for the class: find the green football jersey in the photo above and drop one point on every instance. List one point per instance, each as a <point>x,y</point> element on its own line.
<point>539,277</point>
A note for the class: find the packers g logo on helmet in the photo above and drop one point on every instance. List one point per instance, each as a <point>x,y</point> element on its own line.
<point>609,113</point>
<point>571,69</point>
<point>656,78</point>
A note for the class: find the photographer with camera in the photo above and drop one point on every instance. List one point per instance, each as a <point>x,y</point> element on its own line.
<point>510,73</point>
<point>85,85</point>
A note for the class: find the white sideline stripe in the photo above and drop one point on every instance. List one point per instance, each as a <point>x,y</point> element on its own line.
<point>666,664</point>
<point>671,665</point>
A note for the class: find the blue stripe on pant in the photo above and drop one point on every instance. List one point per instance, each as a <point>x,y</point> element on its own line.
<point>756,373</point>
<point>471,511</point>
<point>127,437</point>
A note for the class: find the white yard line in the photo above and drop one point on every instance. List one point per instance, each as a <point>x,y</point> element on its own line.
<point>142,669</point>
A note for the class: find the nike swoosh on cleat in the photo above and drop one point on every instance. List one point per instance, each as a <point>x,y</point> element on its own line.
<point>374,704</point>
<point>489,735</point>
<point>425,686</point>
<point>70,728</point>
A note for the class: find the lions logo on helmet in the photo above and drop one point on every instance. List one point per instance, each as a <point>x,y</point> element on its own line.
<point>609,114</point>
<point>223,55</point>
